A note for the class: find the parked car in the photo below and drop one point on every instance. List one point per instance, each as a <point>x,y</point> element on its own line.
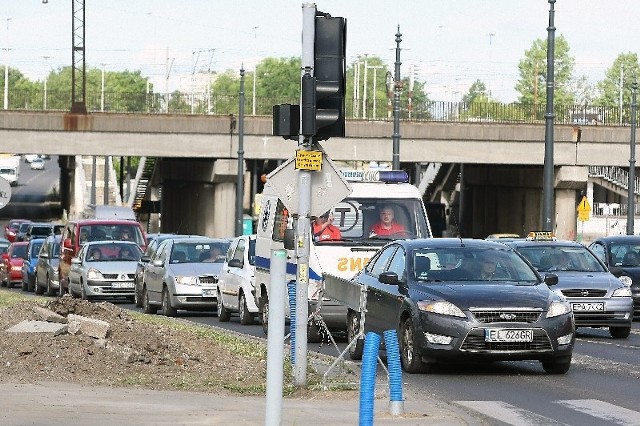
<point>178,276</point>
<point>37,164</point>
<point>154,241</point>
<point>621,253</point>
<point>28,158</point>
<point>29,264</point>
<point>4,245</point>
<point>236,282</point>
<point>78,232</point>
<point>47,266</point>
<point>11,267</point>
<point>104,269</point>
<point>12,227</point>
<point>462,300</point>
<point>38,230</point>
<point>21,235</point>
<point>597,297</point>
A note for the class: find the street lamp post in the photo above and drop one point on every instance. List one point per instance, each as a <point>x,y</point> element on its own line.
<point>632,163</point>
<point>397,86</point>
<point>255,40</point>
<point>364,89</point>
<point>6,71</point>
<point>547,184</point>
<point>46,77</point>
<point>240,182</point>
<point>375,68</point>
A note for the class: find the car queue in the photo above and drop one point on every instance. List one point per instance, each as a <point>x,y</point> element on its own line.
<point>450,300</point>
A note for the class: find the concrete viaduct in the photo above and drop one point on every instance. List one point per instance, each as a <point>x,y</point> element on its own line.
<point>497,173</point>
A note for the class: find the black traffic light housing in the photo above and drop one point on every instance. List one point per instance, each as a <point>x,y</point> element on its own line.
<point>323,94</point>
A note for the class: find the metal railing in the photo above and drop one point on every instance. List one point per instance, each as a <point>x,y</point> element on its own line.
<point>619,177</point>
<point>374,110</point>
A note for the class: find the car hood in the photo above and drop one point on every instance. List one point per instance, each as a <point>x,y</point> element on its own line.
<point>599,280</point>
<point>114,267</point>
<point>466,295</point>
<point>195,269</point>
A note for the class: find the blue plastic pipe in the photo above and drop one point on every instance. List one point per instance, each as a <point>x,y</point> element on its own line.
<point>368,377</point>
<point>396,400</point>
<point>291,289</point>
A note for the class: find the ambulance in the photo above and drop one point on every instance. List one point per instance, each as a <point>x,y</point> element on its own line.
<point>354,216</point>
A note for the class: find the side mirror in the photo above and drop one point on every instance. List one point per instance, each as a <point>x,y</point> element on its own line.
<point>551,279</point>
<point>289,239</point>
<point>145,259</point>
<point>75,261</point>
<point>235,263</point>
<point>44,255</point>
<point>389,278</point>
<point>616,271</point>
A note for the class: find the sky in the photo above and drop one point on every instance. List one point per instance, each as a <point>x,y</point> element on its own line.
<point>447,44</point>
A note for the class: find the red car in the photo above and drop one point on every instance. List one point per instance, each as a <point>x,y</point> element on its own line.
<point>11,266</point>
<point>11,228</point>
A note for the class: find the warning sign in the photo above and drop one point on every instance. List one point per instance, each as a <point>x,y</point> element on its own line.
<point>309,160</point>
<point>584,210</point>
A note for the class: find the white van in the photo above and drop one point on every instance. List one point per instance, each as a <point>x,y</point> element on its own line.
<point>354,216</point>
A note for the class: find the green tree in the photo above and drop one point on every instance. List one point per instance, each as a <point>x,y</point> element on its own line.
<point>22,91</point>
<point>625,70</point>
<point>533,74</point>
<point>477,92</point>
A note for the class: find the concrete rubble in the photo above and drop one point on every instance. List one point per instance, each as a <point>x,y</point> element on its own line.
<point>56,324</point>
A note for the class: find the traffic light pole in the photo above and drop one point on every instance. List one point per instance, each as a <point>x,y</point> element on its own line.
<point>303,237</point>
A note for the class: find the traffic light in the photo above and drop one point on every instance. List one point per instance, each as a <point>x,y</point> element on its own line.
<point>327,86</point>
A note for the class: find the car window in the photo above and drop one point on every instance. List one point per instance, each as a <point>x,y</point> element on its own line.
<point>397,264</point>
<point>239,252</point>
<point>379,264</point>
<point>599,251</point>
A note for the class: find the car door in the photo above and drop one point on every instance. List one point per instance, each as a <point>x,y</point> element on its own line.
<point>41,264</point>
<point>376,297</point>
<point>75,270</point>
<point>229,280</point>
<point>155,271</point>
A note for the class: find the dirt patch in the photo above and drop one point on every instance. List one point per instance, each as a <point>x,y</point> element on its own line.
<point>161,355</point>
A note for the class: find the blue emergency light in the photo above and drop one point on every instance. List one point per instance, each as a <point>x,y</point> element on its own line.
<point>384,176</point>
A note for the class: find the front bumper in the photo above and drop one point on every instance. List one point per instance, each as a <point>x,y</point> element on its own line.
<point>194,297</point>
<point>109,288</point>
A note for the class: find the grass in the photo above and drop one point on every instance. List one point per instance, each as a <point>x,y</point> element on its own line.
<point>9,298</point>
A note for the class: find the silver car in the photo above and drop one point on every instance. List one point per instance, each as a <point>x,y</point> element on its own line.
<point>47,266</point>
<point>182,274</point>
<point>104,269</point>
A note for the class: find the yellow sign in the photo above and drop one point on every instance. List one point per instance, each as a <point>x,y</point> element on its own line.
<point>584,210</point>
<point>309,160</point>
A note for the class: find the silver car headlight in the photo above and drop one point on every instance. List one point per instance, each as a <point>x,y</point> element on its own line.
<point>558,308</point>
<point>441,307</point>
<point>94,274</point>
<point>187,280</point>
<point>622,292</point>
<point>626,280</point>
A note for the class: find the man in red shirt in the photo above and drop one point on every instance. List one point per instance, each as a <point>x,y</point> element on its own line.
<point>324,230</point>
<point>386,225</point>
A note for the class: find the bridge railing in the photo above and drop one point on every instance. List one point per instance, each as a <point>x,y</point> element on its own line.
<point>372,110</point>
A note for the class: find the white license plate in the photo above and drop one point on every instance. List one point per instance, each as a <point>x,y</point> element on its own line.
<point>121,285</point>
<point>508,335</point>
<point>585,307</point>
<point>208,291</point>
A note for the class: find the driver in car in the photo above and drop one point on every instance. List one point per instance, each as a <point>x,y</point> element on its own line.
<point>387,224</point>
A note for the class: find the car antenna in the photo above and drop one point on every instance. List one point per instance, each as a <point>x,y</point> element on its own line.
<point>455,222</point>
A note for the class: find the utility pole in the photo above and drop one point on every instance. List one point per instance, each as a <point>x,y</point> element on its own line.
<point>548,175</point>
<point>240,181</point>
<point>168,67</point>
<point>255,66</point>
<point>631,196</point>
<point>6,70</point>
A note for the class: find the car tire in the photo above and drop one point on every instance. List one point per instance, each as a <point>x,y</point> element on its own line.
<point>147,307</point>
<point>409,354</point>
<point>264,313</point>
<point>557,366</point>
<point>224,314</point>
<point>246,317</point>
<point>25,286</point>
<point>3,283</point>
<point>39,290</point>
<point>314,334</point>
<point>138,298</point>
<point>619,332</point>
<point>83,292</point>
<point>9,284</point>
<point>167,309</point>
<point>31,287</point>
<point>353,328</point>
<point>50,290</point>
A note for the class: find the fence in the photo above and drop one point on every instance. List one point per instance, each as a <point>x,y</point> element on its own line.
<point>374,110</point>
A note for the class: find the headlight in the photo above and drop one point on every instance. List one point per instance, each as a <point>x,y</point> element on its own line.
<point>441,307</point>
<point>94,274</point>
<point>187,280</point>
<point>622,292</point>
<point>557,309</point>
<point>626,280</point>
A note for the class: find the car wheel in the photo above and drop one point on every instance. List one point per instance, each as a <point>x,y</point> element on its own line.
<point>50,291</point>
<point>137,298</point>
<point>313,331</point>
<point>3,283</point>
<point>409,355</point>
<point>224,314</point>
<point>9,284</point>
<point>619,332</point>
<point>83,292</point>
<point>557,366</point>
<point>246,317</point>
<point>167,309</point>
<point>264,313</point>
<point>25,286</point>
<point>38,288</point>
<point>148,307</point>
<point>30,286</point>
<point>353,328</point>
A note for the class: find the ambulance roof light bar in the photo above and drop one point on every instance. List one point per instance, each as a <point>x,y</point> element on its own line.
<point>385,176</point>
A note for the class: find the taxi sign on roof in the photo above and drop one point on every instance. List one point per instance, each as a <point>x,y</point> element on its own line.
<point>541,236</point>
